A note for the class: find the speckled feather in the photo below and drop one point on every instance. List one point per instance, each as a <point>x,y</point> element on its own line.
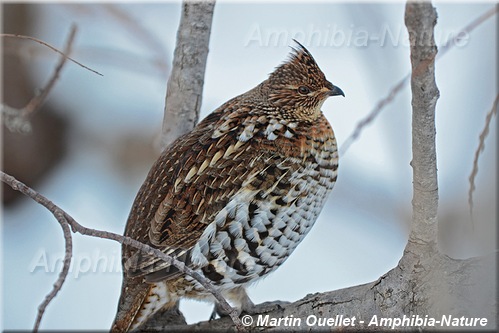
<point>235,196</point>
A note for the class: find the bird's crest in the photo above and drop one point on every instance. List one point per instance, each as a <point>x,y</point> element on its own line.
<point>301,55</point>
<point>300,66</point>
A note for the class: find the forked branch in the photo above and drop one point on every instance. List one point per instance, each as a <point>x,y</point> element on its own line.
<point>17,119</point>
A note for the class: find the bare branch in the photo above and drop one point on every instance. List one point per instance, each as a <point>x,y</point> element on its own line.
<point>374,113</point>
<point>50,47</point>
<point>64,218</point>
<point>466,31</point>
<point>185,85</point>
<point>68,255</point>
<point>17,119</point>
<point>403,82</point>
<point>481,146</point>
<point>60,216</point>
<point>37,101</point>
<point>420,19</point>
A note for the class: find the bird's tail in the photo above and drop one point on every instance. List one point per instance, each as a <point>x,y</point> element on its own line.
<point>139,303</point>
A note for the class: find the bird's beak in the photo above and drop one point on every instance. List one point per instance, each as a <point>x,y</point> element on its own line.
<point>335,91</point>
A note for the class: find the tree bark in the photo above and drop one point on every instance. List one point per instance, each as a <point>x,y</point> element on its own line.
<point>183,99</point>
<point>420,19</point>
<point>185,85</point>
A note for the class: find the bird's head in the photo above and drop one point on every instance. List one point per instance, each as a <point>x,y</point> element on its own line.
<point>299,85</point>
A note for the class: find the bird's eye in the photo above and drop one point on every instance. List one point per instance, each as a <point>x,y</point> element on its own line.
<point>303,90</point>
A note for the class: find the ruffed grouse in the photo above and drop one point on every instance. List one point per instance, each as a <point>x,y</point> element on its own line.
<point>235,196</point>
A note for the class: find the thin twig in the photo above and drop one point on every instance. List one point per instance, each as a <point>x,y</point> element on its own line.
<point>61,218</point>
<point>374,113</point>
<point>76,227</point>
<point>50,47</point>
<point>479,150</point>
<point>158,254</point>
<point>161,255</point>
<point>405,80</point>
<point>36,102</point>
<point>17,119</point>
<point>68,255</point>
<point>466,31</point>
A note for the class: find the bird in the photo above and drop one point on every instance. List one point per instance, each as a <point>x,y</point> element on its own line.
<point>232,198</point>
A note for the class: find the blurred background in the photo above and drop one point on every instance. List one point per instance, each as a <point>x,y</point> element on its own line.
<point>94,140</point>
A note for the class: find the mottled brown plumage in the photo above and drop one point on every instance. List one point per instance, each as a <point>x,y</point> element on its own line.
<point>235,196</point>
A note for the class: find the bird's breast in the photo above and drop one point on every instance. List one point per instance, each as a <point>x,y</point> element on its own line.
<point>276,206</point>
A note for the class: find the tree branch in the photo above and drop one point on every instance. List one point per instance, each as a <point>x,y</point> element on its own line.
<point>185,85</point>
<point>17,119</point>
<point>50,47</point>
<point>64,219</point>
<point>68,255</point>
<point>480,148</point>
<point>392,296</point>
<point>373,114</point>
<point>184,96</point>
<point>37,101</point>
<point>420,19</point>
<point>60,216</point>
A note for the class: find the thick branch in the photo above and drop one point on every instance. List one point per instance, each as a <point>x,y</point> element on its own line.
<point>392,296</point>
<point>185,86</point>
<point>420,19</point>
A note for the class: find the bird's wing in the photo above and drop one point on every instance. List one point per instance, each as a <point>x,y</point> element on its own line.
<point>186,188</point>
